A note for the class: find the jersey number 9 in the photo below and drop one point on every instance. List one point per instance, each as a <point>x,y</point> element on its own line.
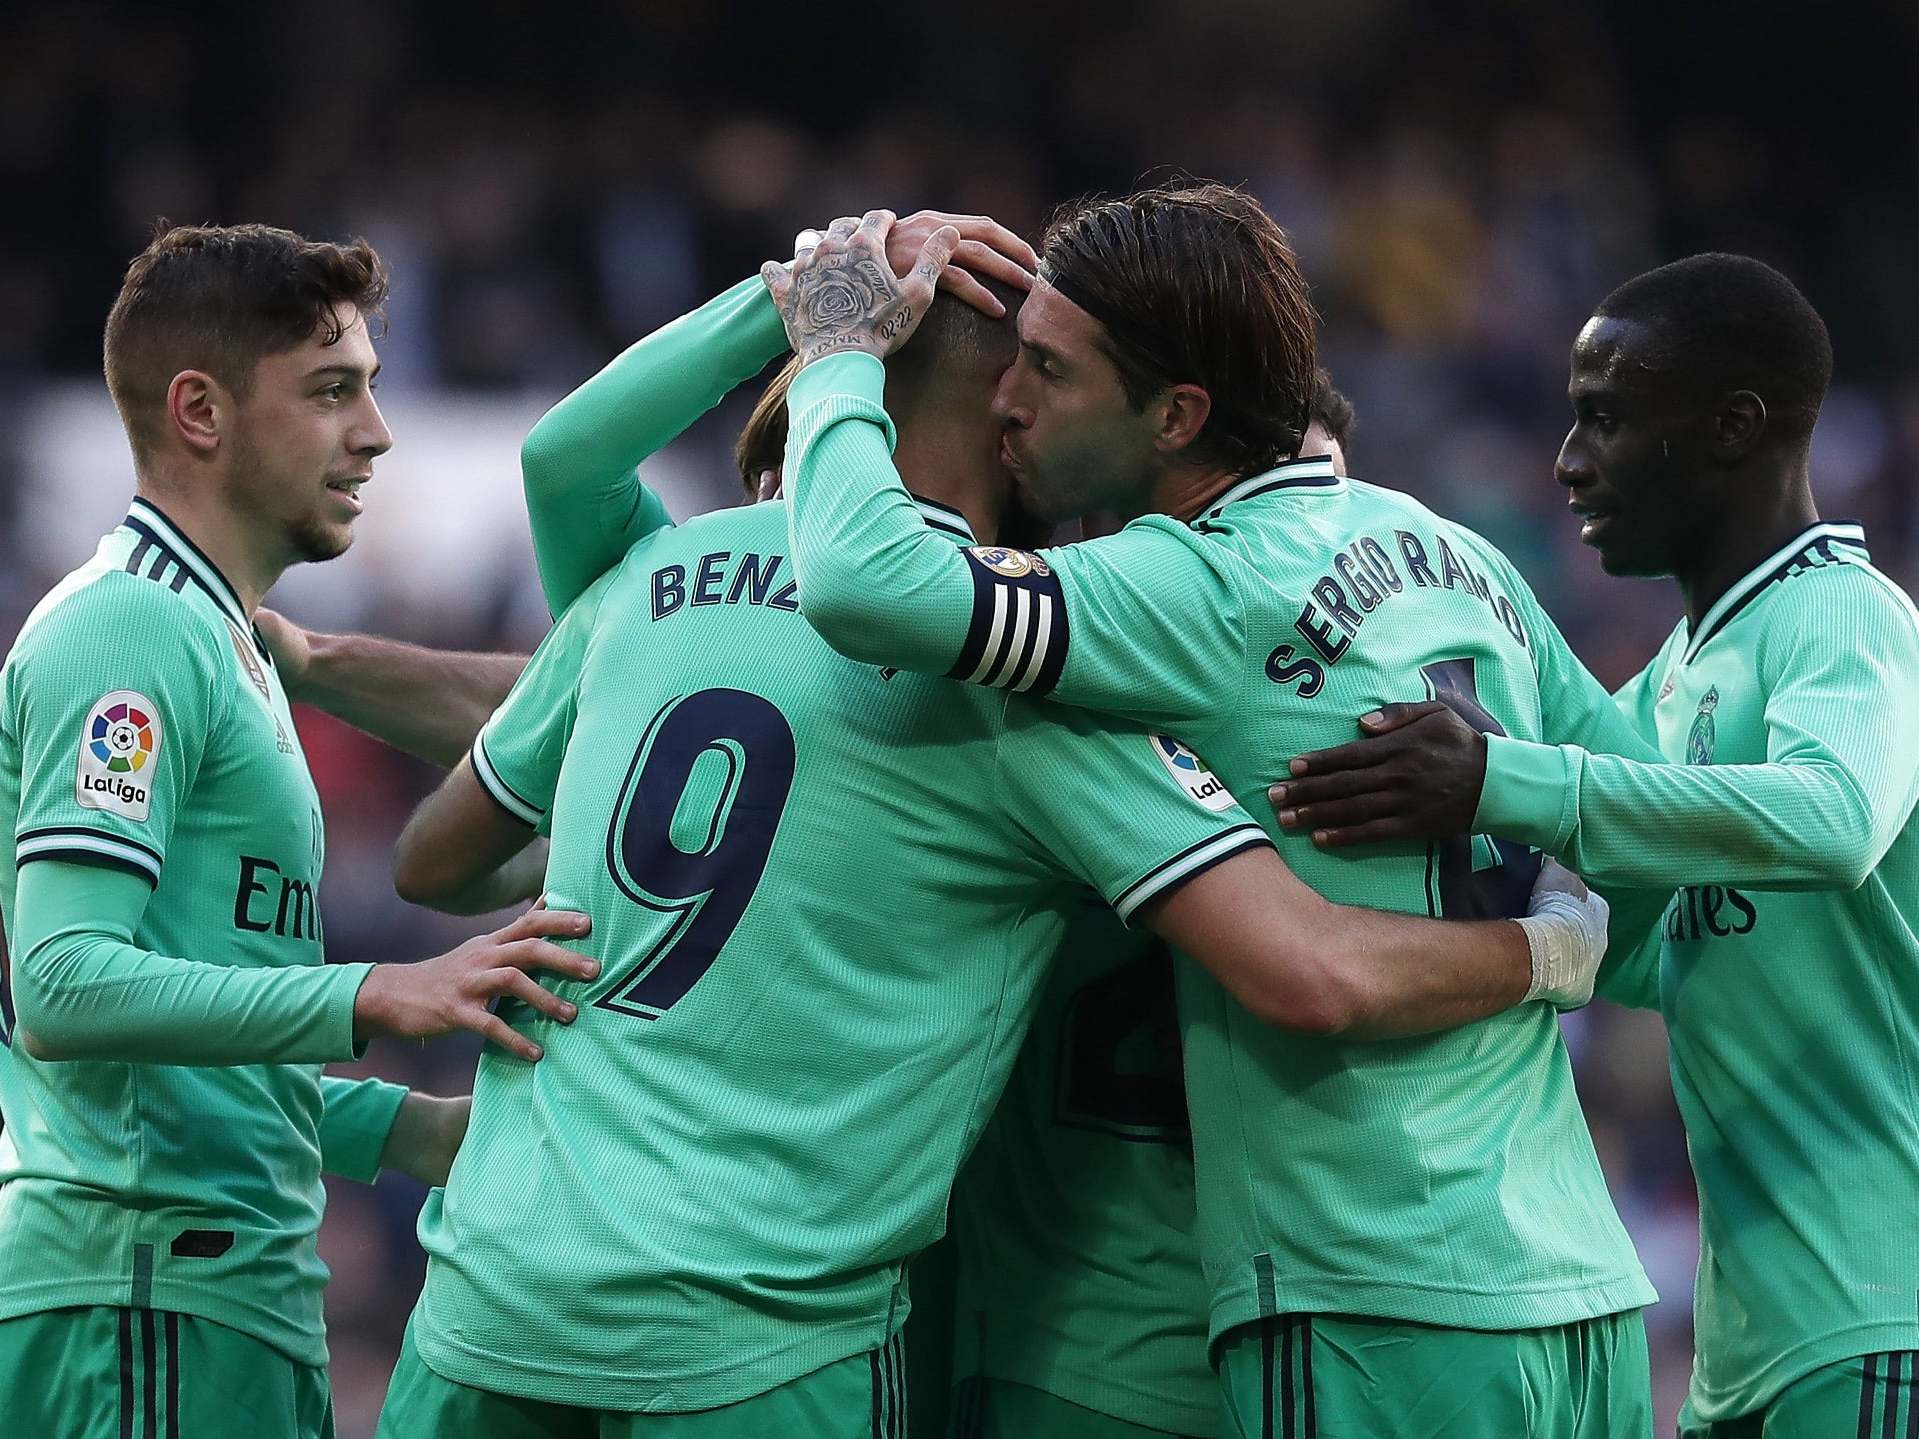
<point>704,889</point>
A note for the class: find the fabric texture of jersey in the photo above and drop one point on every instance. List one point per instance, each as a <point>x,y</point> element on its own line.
<point>1788,963</point>
<point>1447,1179</point>
<point>823,896</point>
<point>1078,1263</point>
<point>144,731</point>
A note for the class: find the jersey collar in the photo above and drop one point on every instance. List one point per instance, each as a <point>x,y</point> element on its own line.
<point>150,523</point>
<point>945,519</point>
<point>1314,473</point>
<point>1821,543</point>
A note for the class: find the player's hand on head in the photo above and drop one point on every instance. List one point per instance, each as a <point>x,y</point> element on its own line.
<point>1417,774</point>
<point>1565,928</point>
<point>985,247</point>
<point>841,294</point>
<point>456,990</point>
<point>290,646</point>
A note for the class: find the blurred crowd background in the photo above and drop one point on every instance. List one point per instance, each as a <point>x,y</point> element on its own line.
<point>1463,181</point>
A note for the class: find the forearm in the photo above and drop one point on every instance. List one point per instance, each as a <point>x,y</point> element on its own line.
<point>583,495</point>
<point>358,1122</point>
<point>1296,961</point>
<point>1807,825</point>
<point>520,880</point>
<point>1405,976</point>
<point>874,580</point>
<point>462,854</point>
<point>425,1137</point>
<point>428,703</point>
<point>84,990</point>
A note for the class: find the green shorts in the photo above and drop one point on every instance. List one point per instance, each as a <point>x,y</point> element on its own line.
<point>1000,1409</point>
<point>98,1372</point>
<point>854,1398</point>
<point>1871,1394</point>
<point>1328,1376</point>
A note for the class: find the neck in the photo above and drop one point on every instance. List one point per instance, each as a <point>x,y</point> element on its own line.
<point>1741,537</point>
<point>951,464</point>
<point>225,537</point>
<point>1183,492</point>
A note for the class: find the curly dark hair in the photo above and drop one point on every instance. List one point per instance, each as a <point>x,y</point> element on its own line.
<point>220,297</point>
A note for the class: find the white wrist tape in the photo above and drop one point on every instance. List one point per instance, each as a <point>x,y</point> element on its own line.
<point>1567,938</point>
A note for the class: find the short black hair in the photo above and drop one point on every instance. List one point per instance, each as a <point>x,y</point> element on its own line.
<point>1734,323</point>
<point>954,339</point>
<point>1332,411</point>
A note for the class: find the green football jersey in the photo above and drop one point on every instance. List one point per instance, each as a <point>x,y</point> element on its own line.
<point>823,895</point>
<point>1078,1262</point>
<point>144,730</point>
<point>1788,963</point>
<point>1448,1179</point>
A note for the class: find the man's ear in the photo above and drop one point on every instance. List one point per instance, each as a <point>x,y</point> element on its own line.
<point>1183,412</point>
<point>198,409</point>
<point>1738,425</point>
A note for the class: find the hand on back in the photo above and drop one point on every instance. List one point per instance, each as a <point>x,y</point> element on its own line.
<point>456,990</point>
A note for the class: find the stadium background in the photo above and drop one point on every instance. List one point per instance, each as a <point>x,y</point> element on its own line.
<point>1463,181</point>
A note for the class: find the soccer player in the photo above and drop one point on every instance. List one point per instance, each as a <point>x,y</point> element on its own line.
<point>825,893</point>
<point>1407,1239</point>
<point>166,1120</point>
<point>1785,967</point>
<point>1081,1304</point>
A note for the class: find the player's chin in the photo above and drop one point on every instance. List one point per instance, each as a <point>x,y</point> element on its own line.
<point>1629,562</point>
<point>316,540</point>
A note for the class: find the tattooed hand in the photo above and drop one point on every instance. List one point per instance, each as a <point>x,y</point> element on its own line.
<point>840,294</point>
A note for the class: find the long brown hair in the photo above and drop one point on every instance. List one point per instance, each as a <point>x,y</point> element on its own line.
<point>1196,284</point>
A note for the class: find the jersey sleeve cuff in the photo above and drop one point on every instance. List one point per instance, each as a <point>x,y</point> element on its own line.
<point>846,386</point>
<point>499,791</point>
<point>77,844</point>
<point>340,1042</point>
<point>1530,794</point>
<point>1191,862</point>
<point>355,1125</point>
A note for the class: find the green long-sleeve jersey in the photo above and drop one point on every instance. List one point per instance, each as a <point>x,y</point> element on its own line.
<point>159,892</point>
<point>1448,1179</point>
<point>1081,1261</point>
<point>728,1303</point>
<point>1075,1220</point>
<point>1787,975</point>
<point>823,896</point>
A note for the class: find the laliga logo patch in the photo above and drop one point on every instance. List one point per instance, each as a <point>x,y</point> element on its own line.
<point>119,742</point>
<point>1011,563</point>
<point>1201,784</point>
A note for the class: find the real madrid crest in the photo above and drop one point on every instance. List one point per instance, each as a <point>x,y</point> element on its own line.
<point>1011,563</point>
<point>1705,735</point>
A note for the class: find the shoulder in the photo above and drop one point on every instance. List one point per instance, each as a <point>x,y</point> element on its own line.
<point>1478,546</point>
<point>96,612</point>
<point>1153,551</point>
<point>1838,603</point>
